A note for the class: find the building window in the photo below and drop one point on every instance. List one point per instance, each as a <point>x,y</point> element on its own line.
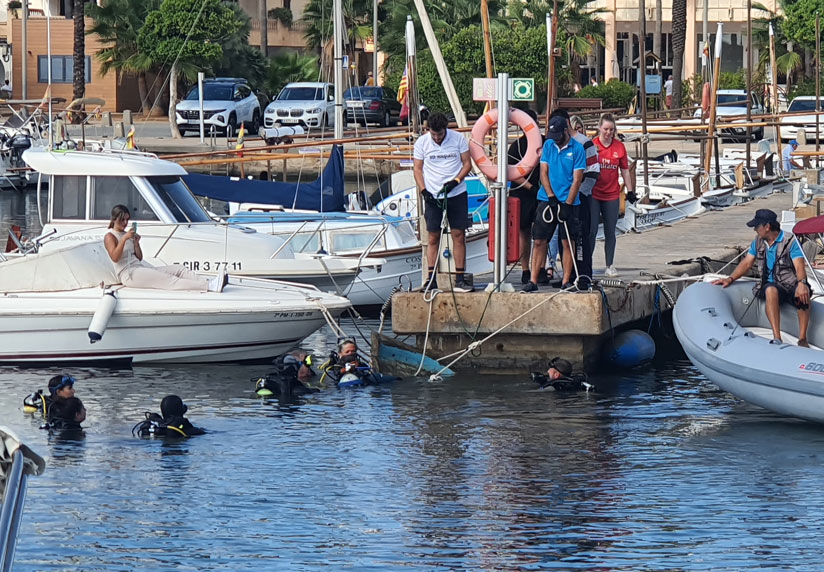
<point>62,69</point>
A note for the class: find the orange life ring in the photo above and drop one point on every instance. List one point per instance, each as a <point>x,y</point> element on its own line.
<point>533,148</point>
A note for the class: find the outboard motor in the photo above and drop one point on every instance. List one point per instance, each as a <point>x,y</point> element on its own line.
<point>19,143</point>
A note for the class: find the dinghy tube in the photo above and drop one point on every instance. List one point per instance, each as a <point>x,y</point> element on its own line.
<point>100,320</point>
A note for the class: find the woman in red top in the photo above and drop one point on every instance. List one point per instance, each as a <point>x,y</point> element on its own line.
<point>605,194</point>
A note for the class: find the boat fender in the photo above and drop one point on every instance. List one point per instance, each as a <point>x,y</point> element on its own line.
<point>477,149</point>
<point>629,349</point>
<point>100,320</point>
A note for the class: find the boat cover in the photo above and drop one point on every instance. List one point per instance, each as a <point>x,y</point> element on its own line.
<point>325,194</point>
<point>812,225</point>
<point>85,265</point>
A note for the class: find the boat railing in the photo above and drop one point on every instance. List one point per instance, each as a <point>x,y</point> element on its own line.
<point>17,462</point>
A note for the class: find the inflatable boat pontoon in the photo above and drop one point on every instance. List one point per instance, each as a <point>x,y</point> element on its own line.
<point>726,335</point>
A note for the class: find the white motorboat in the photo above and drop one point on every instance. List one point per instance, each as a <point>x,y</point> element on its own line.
<point>640,217</point>
<point>726,335</point>
<point>174,227</point>
<point>351,235</point>
<point>51,301</point>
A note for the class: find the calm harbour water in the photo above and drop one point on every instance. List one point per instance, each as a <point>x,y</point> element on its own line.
<point>656,470</point>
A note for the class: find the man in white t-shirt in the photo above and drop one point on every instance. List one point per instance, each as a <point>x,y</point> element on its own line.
<point>668,91</point>
<point>441,164</point>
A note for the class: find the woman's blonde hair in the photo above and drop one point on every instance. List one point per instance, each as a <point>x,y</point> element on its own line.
<point>575,121</point>
<point>118,212</point>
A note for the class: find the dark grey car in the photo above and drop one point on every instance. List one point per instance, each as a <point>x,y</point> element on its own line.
<point>372,104</point>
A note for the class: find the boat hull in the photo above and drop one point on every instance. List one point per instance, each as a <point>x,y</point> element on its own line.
<point>714,326</point>
<point>250,320</point>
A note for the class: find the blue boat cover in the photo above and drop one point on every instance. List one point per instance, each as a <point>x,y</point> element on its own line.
<point>324,194</point>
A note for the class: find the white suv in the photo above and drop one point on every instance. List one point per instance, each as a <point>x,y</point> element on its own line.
<point>227,102</point>
<point>801,104</point>
<point>734,102</point>
<point>310,104</point>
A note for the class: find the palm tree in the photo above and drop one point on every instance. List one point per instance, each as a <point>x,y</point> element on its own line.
<point>679,39</point>
<point>117,23</point>
<point>287,68</point>
<point>79,56</point>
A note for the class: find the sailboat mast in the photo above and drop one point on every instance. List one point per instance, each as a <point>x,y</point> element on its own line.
<point>642,55</point>
<point>412,77</point>
<point>338,58</point>
<point>776,126</point>
<point>749,81</point>
<point>719,38</point>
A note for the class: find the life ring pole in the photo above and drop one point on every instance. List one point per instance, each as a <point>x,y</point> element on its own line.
<point>499,187</point>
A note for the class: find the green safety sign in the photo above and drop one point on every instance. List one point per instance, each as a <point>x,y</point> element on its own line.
<point>521,89</point>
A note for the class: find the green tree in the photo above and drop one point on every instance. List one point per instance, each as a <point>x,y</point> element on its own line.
<point>286,68</point>
<point>798,23</point>
<point>240,59</point>
<point>188,34</point>
<point>117,23</point>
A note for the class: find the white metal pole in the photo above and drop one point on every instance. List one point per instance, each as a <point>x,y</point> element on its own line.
<point>500,199</point>
<point>200,105</point>
<point>49,71</point>
<point>338,53</point>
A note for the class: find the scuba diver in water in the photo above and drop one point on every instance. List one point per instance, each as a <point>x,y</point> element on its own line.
<point>560,377</point>
<point>60,387</point>
<point>66,415</point>
<point>288,381</point>
<point>170,423</point>
<point>347,368</point>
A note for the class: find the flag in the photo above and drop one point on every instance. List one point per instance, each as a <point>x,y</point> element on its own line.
<point>241,134</point>
<point>130,138</point>
<point>403,94</point>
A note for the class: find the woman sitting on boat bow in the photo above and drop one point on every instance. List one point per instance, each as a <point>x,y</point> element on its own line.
<point>124,249</point>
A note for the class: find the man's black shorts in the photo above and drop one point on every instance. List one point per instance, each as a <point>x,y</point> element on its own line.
<point>546,221</point>
<point>784,297</point>
<point>457,212</point>
<point>529,203</point>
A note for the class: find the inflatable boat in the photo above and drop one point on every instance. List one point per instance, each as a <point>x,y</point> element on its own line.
<point>726,335</point>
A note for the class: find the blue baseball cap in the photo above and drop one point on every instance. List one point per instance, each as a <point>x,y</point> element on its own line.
<point>794,142</point>
<point>557,129</point>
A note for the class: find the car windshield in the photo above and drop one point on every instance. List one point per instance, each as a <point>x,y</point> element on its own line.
<point>301,94</point>
<point>178,199</point>
<point>802,105</point>
<point>729,99</point>
<point>362,93</point>
<point>212,92</point>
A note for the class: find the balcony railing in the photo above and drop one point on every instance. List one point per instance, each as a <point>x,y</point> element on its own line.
<point>276,25</point>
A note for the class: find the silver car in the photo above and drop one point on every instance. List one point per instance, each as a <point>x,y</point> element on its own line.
<point>310,104</point>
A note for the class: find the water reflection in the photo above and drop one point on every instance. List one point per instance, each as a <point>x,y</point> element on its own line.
<point>657,470</point>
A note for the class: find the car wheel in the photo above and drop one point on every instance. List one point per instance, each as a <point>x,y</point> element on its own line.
<point>231,126</point>
<point>255,123</point>
<point>387,119</point>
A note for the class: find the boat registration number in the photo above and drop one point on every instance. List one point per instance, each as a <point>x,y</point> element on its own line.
<point>211,266</point>
<point>812,367</point>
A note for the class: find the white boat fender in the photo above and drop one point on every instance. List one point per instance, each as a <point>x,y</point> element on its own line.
<point>100,320</point>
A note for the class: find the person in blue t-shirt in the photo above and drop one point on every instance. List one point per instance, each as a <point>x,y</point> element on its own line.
<point>783,273</point>
<point>563,161</point>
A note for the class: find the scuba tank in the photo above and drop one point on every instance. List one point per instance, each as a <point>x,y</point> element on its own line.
<point>36,402</point>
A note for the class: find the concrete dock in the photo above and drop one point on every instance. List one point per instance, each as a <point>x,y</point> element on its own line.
<point>575,325</point>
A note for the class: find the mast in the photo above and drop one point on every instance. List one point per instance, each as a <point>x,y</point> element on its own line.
<point>375,40</point>
<point>719,38</point>
<point>642,53</point>
<point>446,79</point>
<point>817,89</point>
<point>23,33</point>
<point>550,45</point>
<point>412,77</point>
<point>487,42</point>
<point>776,126</point>
<point>550,93</point>
<point>338,58</point>
<point>749,81</point>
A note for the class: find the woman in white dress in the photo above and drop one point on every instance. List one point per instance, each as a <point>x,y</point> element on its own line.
<point>123,247</point>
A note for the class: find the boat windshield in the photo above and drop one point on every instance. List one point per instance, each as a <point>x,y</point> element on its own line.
<point>178,199</point>
<point>802,105</point>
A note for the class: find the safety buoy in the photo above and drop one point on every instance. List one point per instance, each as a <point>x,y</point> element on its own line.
<point>533,148</point>
<point>100,320</point>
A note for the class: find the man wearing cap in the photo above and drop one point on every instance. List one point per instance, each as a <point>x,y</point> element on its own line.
<point>788,163</point>
<point>783,273</point>
<point>563,161</point>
